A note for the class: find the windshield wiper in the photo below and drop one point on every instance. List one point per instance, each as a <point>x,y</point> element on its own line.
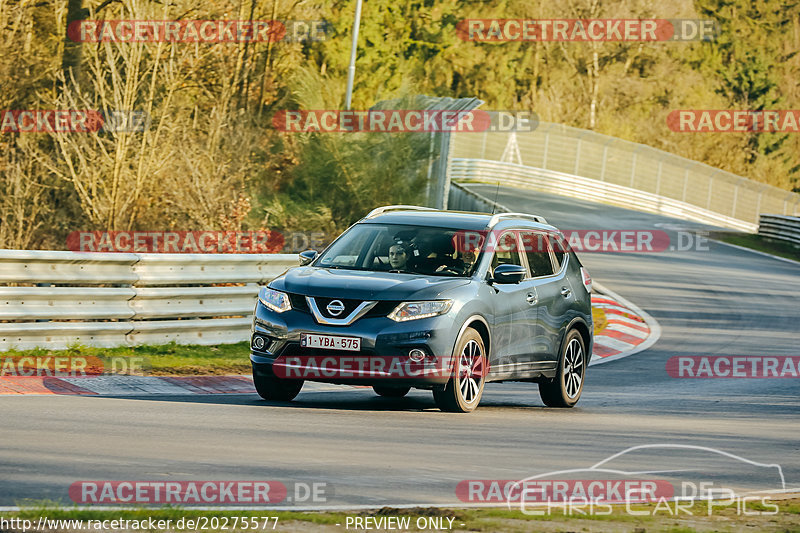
<point>341,267</point>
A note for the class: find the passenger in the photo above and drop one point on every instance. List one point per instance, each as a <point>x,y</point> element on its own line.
<point>469,258</point>
<point>464,260</point>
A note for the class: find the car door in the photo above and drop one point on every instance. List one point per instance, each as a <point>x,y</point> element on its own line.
<point>553,292</point>
<point>513,331</point>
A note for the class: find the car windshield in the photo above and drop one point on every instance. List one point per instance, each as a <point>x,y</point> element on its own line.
<point>425,250</point>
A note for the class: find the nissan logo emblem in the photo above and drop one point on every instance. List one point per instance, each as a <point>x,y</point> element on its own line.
<point>335,308</point>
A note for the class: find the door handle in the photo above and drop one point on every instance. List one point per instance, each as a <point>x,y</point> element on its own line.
<point>565,291</point>
<point>532,298</point>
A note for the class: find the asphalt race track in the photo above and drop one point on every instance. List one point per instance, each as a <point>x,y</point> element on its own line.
<point>375,451</point>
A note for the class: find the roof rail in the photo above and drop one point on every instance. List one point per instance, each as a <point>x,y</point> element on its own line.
<point>496,218</point>
<point>378,210</point>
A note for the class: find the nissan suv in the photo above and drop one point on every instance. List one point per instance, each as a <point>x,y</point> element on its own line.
<point>411,297</point>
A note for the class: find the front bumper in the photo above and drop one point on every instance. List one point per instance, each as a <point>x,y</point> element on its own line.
<point>382,359</point>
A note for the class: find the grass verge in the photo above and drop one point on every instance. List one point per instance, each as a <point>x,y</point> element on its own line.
<point>160,360</point>
<point>759,243</point>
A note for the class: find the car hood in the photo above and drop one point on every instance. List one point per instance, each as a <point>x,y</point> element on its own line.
<point>363,285</point>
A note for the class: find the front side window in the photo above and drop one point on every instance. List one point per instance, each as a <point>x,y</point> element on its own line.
<point>506,250</point>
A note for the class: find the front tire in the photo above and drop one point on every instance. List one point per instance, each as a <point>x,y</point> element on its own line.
<point>566,387</point>
<point>463,391</point>
<point>276,389</point>
<point>391,392</point>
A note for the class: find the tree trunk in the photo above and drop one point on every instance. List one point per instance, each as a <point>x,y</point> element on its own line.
<point>71,57</point>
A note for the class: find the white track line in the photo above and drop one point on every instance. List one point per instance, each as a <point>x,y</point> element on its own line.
<point>765,254</point>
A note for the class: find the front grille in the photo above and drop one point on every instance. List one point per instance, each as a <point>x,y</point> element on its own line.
<point>381,309</point>
<point>349,306</point>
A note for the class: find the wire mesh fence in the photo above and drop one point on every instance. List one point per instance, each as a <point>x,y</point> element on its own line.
<point>615,161</point>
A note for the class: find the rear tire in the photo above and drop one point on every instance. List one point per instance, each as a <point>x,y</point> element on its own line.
<point>463,391</point>
<point>391,392</point>
<point>565,388</point>
<point>276,389</point>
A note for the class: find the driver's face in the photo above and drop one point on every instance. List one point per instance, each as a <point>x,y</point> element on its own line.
<point>397,257</point>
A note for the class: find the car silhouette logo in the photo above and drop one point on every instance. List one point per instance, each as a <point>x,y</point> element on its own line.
<point>335,308</point>
<point>682,476</point>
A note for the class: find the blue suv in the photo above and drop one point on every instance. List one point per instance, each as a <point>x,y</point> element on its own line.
<point>439,300</point>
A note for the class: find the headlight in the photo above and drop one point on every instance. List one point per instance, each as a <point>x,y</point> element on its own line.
<point>414,310</point>
<point>276,300</point>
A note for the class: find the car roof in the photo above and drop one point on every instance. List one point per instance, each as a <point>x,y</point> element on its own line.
<point>466,220</point>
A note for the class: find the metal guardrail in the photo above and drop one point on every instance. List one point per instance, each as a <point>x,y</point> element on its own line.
<point>52,299</point>
<point>480,171</point>
<point>463,199</point>
<point>646,176</point>
<point>780,227</point>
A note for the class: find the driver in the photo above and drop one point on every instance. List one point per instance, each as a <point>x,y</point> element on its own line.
<point>398,256</point>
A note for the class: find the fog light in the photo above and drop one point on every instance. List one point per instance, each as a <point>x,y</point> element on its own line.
<point>416,355</point>
<point>258,342</point>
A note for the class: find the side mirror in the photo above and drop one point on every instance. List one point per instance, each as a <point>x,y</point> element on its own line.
<point>307,256</point>
<point>509,274</point>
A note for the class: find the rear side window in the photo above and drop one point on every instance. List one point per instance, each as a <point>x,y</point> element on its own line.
<point>559,249</point>
<point>537,250</point>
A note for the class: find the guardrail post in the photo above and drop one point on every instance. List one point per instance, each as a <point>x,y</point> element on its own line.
<point>685,184</point>
<point>658,176</point>
<point>603,163</point>
<point>431,185</point>
<point>577,156</point>
<point>758,202</point>
<point>633,168</point>
<point>544,153</point>
<point>710,187</point>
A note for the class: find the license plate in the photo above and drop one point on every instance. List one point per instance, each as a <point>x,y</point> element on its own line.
<point>330,342</point>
